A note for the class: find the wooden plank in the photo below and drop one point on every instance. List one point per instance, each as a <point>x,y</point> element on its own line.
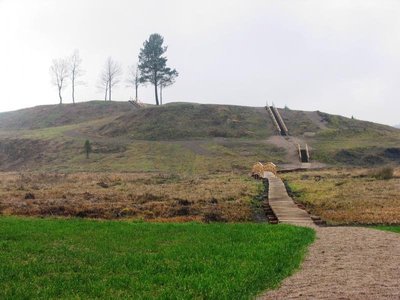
<point>283,206</point>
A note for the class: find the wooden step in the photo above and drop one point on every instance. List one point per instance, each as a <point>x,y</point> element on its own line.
<point>283,206</point>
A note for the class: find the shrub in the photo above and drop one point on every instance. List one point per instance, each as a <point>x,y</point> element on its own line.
<point>383,173</point>
<point>213,217</point>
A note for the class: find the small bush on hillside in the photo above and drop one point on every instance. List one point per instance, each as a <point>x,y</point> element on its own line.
<point>213,217</point>
<point>88,148</point>
<point>383,173</point>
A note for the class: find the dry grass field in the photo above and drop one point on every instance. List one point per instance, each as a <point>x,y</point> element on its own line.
<point>348,196</point>
<point>146,196</point>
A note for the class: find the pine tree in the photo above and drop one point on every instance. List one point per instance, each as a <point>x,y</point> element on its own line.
<point>153,65</point>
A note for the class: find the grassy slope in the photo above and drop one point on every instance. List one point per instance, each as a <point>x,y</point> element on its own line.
<point>182,137</point>
<point>45,116</point>
<point>87,259</point>
<point>189,120</point>
<point>353,142</point>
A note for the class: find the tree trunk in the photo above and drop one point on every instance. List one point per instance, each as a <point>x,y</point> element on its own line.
<point>73,89</point>
<point>109,91</point>
<point>105,95</point>
<point>156,93</point>
<point>160,94</point>
<point>59,94</point>
<point>136,88</point>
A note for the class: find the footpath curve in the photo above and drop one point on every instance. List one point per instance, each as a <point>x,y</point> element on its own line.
<point>346,263</point>
<point>343,262</point>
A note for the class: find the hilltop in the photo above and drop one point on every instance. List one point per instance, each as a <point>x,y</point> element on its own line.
<point>181,137</point>
<point>44,116</point>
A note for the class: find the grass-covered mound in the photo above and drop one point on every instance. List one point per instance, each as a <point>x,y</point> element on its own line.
<point>68,259</point>
<point>181,137</point>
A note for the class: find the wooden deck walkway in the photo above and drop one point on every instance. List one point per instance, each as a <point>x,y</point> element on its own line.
<point>283,206</point>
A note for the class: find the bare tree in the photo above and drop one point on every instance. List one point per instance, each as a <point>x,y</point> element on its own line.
<point>134,78</point>
<point>110,76</point>
<point>59,72</point>
<point>75,71</point>
<point>102,84</point>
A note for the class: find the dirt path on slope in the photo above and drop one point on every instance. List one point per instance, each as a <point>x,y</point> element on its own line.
<point>289,143</point>
<point>346,263</point>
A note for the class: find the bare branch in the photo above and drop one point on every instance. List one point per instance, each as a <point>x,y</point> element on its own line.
<point>110,76</point>
<point>59,73</point>
<point>102,84</point>
<point>75,71</point>
<point>133,79</point>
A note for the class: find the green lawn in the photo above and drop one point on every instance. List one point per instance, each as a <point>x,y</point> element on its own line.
<point>54,258</point>
<point>389,228</point>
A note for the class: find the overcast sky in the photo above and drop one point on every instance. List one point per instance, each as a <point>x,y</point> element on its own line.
<point>341,57</point>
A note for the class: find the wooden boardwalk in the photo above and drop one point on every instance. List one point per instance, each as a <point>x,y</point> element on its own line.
<point>283,206</point>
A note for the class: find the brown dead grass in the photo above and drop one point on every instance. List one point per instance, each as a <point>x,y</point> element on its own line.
<point>156,197</point>
<point>348,196</point>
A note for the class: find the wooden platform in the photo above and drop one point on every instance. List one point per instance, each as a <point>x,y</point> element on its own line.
<point>283,206</point>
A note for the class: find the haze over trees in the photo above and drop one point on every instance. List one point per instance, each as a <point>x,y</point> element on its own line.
<point>153,65</point>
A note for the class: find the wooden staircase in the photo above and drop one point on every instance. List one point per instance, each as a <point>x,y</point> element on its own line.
<point>304,154</point>
<point>277,119</point>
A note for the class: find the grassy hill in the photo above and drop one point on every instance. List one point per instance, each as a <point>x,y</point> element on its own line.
<point>180,137</point>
